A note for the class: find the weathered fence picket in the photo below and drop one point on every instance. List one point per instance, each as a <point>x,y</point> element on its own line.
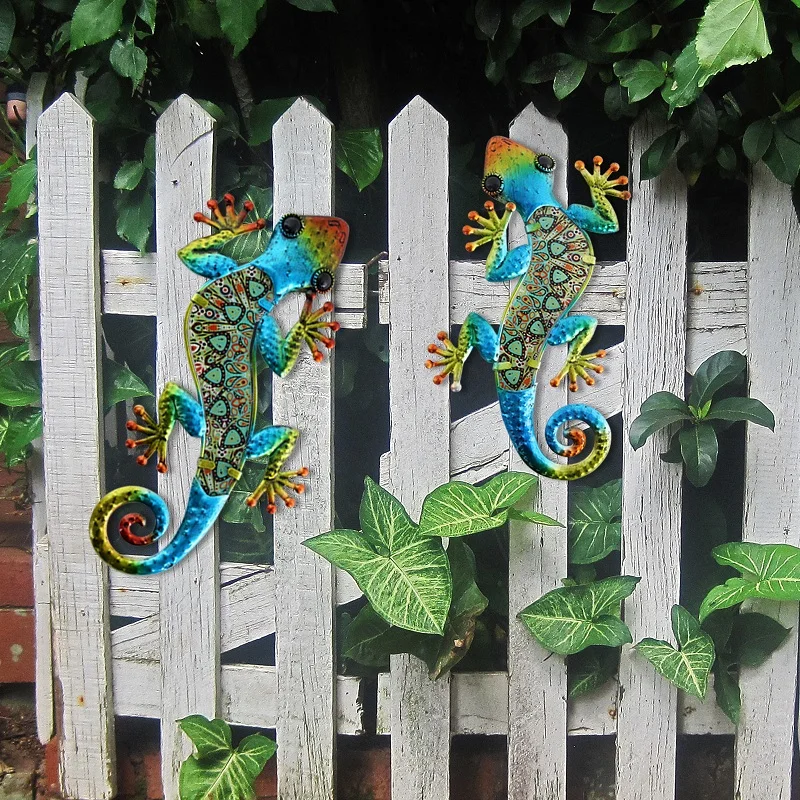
<point>164,662</point>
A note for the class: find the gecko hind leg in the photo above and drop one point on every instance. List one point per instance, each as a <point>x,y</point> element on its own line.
<point>275,444</point>
<point>577,332</point>
<point>174,405</point>
<point>475,332</point>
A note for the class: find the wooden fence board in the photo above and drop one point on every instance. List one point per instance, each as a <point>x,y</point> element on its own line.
<point>537,681</point>
<point>655,347</point>
<point>69,270</point>
<point>189,592</point>
<point>303,154</point>
<point>419,442</point>
<point>765,737</point>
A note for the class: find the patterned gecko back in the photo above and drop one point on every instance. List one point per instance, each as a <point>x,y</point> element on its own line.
<point>220,325</point>
<point>562,261</point>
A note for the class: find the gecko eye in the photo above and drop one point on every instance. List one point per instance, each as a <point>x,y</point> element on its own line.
<point>291,225</point>
<point>545,163</point>
<point>321,281</point>
<point>493,185</point>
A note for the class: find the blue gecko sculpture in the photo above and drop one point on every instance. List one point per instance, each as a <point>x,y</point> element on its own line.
<point>227,322</point>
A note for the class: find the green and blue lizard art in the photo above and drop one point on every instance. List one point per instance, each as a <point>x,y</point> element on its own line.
<point>554,267</point>
<point>227,322</point>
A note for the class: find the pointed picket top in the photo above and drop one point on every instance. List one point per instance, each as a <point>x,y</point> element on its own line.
<point>185,111</point>
<point>419,112</point>
<point>65,110</point>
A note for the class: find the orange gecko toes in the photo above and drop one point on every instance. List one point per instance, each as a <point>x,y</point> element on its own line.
<point>271,508</point>
<point>299,488</point>
<point>230,198</point>
<point>212,204</point>
<point>599,369</point>
<point>598,160</point>
<point>622,180</point>
<point>589,381</point>
<point>437,379</point>
<point>489,205</point>
<point>317,356</point>
<point>248,205</point>
<point>251,501</point>
<point>441,336</point>
<point>138,410</point>
<point>130,444</point>
<point>626,195</point>
<point>289,502</point>
<point>580,165</point>
<point>141,460</point>
<point>162,467</point>
<point>303,471</point>
<point>327,307</point>
<point>334,326</point>
<point>473,215</point>
<point>600,353</point>
<point>613,166</point>
<point>573,387</point>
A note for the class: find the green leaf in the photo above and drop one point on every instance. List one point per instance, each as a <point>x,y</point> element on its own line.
<point>683,87</point>
<point>615,102</point>
<point>590,669</point>
<point>359,154</point>
<point>769,571</point>
<point>571,618</point>
<point>95,21</point>
<point>211,737</point>
<point>559,11</point>
<point>23,183</point>
<point>119,384</point>
<point>128,60</point>
<point>534,517</point>
<point>21,384</point>
<point>313,5</point>
<point>18,428</point>
<point>757,138</point>
<point>755,637</point>
<point>135,210</point>
<point>612,6</point>
<point>738,409</point>
<point>406,576</point>
<point>370,640</point>
<point>527,12</point>
<point>236,510</point>
<point>726,688</point>
<point>655,159</point>
<point>249,246</point>
<point>487,17</point>
<point>459,509</point>
<point>146,11</point>
<point>640,77</point>
<point>545,68</point>
<point>237,18</point>
<point>264,115</point>
<point>595,522</point>
<point>665,401</point>
<point>648,423</point>
<point>18,257</point>
<point>726,158</point>
<point>687,666</point>
<point>129,175</point>
<point>783,154</point>
<point>568,78</point>
<point>703,128</point>
<point>731,32</point>
<point>715,372</point>
<point>673,453</point>
<point>222,773</point>
<point>699,452</point>
<point>8,22</point>
<point>9,353</point>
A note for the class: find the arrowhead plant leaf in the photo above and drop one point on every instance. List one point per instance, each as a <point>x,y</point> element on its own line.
<point>595,526</point>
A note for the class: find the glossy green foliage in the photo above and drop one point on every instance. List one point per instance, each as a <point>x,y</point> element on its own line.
<point>695,442</point>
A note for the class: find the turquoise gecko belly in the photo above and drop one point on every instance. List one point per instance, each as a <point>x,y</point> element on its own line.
<point>221,325</point>
<point>561,265</point>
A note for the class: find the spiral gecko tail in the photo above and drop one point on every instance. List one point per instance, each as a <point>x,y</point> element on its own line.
<point>201,511</point>
<point>518,414</point>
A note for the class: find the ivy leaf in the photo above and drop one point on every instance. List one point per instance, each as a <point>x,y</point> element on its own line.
<point>18,258</point>
<point>757,138</point>
<point>119,384</point>
<point>568,78</point>
<point>699,449</point>
<point>128,60</point>
<point>731,32</point>
<point>655,159</point>
<point>640,77</point>
<point>8,22</point>
<point>487,17</point>
<point>21,384</point>
<point>264,115</point>
<point>135,210</point>
<point>313,5</point>
<point>715,372</point>
<point>459,509</point>
<point>595,522</point>
<point>359,154</point>
<point>249,246</point>
<point>755,637</point>
<point>405,575</point>
<point>237,18</point>
<point>18,428</point>
<point>688,665</point>
<point>222,772</point>
<point>23,182</point>
<point>769,571</point>
<point>571,618</point>
<point>129,175</point>
<point>95,21</point>
<point>742,409</point>
<point>590,669</point>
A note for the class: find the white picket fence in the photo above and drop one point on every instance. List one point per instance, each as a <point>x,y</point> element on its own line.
<point>166,664</point>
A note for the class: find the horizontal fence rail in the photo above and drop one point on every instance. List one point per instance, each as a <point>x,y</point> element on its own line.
<point>163,662</point>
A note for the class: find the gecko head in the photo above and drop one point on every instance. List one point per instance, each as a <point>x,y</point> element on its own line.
<point>304,252</point>
<point>514,173</point>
